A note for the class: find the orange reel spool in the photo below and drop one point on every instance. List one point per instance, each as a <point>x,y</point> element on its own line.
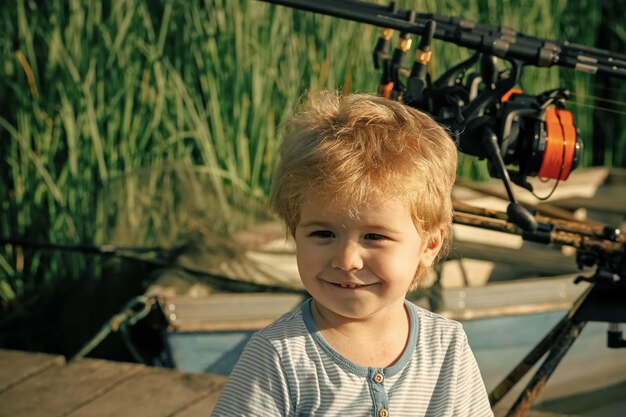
<point>560,147</point>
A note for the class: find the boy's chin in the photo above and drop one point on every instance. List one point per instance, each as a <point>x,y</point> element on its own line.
<point>357,311</point>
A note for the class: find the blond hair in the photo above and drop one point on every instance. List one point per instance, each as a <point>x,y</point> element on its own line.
<point>350,147</point>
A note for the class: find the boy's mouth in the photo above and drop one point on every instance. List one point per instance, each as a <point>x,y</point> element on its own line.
<point>349,285</point>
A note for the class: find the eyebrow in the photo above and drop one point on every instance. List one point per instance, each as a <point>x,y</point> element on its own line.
<point>316,223</point>
<point>381,228</point>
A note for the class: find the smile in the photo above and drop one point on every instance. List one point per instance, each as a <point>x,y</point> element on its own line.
<point>349,285</point>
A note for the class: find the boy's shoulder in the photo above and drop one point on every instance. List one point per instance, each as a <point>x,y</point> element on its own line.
<point>430,315</point>
<point>287,337</point>
<point>432,323</point>
<point>290,324</point>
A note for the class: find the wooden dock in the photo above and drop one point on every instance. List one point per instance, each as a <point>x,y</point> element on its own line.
<point>35,384</point>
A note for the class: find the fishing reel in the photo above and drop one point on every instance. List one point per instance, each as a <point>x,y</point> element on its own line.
<point>539,136</point>
<point>535,134</point>
<point>520,135</point>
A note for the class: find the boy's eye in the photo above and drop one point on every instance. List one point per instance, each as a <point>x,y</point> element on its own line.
<point>322,234</point>
<point>374,236</point>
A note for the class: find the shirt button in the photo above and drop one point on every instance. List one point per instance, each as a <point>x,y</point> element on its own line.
<point>378,378</point>
<point>383,413</point>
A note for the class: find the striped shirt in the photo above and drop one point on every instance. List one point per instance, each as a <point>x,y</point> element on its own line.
<point>288,369</point>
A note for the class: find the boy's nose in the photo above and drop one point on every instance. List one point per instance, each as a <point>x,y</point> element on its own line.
<point>347,258</point>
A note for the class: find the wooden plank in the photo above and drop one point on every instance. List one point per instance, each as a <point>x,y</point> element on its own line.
<point>154,393</point>
<point>523,296</point>
<point>229,311</point>
<point>61,389</point>
<point>16,366</point>
<point>609,201</point>
<point>203,407</point>
<point>581,183</point>
<point>540,259</point>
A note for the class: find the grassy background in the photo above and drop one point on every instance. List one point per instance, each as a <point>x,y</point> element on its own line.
<point>133,122</point>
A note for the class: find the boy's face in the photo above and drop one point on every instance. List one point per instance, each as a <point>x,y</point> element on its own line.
<point>359,266</point>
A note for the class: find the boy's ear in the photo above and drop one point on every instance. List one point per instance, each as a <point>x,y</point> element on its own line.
<point>432,247</point>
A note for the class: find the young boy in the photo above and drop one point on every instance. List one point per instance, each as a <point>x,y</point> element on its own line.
<point>363,185</point>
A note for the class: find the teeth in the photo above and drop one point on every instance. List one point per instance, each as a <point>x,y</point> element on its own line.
<point>346,285</point>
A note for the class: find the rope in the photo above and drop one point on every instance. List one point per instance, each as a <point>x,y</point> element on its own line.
<point>135,310</point>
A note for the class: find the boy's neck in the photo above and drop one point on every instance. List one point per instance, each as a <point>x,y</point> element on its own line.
<point>376,341</point>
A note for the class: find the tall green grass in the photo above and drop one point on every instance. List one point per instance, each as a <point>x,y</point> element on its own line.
<point>128,121</point>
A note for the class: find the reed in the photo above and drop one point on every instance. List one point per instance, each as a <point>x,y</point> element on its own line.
<point>127,122</point>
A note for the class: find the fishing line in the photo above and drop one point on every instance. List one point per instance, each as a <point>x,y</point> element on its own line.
<point>604,109</point>
<point>598,98</point>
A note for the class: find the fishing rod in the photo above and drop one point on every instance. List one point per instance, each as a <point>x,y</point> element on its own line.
<point>493,40</point>
<point>596,244</point>
<point>574,233</point>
